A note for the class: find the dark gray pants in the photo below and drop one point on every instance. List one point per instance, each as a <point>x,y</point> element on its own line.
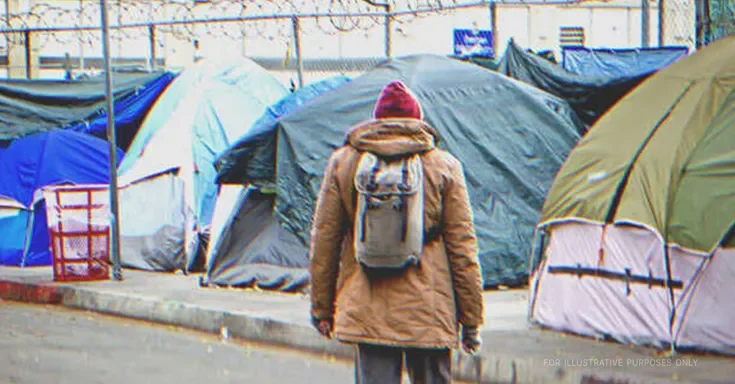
<point>376,364</point>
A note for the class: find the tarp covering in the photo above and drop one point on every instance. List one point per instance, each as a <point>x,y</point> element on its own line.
<point>43,159</point>
<point>201,113</point>
<point>31,106</point>
<point>255,152</point>
<point>510,137</point>
<point>156,228</point>
<point>129,112</point>
<point>609,62</point>
<point>198,117</point>
<point>662,158</point>
<point>254,250</point>
<point>589,96</point>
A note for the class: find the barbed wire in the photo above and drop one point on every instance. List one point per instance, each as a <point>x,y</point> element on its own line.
<point>67,25</point>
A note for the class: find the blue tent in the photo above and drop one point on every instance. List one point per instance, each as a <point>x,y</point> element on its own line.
<point>31,163</point>
<point>129,112</point>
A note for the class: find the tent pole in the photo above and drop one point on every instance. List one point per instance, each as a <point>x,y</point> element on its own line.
<point>115,211</point>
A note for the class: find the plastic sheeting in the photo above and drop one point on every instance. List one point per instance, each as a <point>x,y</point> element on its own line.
<point>590,96</point>
<point>634,312</point>
<point>197,118</point>
<point>255,152</point>
<point>129,112</point>
<point>511,138</point>
<point>610,63</point>
<point>253,250</point>
<point>156,229</point>
<point>31,106</point>
<point>43,159</point>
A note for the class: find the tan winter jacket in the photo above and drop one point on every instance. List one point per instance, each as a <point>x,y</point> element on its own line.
<point>421,307</point>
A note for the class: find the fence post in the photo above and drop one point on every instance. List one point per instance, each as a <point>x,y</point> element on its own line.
<point>81,36</point>
<point>661,23</point>
<point>494,26</point>
<point>152,47</point>
<point>297,43</point>
<point>29,54</point>
<point>645,23</point>
<point>387,24</point>
<point>112,139</point>
<point>388,28</point>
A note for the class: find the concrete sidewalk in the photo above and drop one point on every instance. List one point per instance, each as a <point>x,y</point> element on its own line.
<point>513,351</point>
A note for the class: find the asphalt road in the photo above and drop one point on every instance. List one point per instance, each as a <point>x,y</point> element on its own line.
<point>52,345</point>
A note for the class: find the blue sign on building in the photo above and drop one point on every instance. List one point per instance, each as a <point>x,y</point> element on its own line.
<point>469,42</point>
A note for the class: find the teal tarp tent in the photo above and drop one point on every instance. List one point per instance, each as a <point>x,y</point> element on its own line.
<point>168,173</point>
<point>511,138</point>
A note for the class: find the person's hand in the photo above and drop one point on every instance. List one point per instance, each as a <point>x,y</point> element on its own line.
<point>324,326</point>
<point>471,340</point>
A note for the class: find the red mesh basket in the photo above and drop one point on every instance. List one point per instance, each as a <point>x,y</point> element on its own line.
<point>79,230</point>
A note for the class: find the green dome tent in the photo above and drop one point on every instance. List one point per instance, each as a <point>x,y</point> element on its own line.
<point>640,217</point>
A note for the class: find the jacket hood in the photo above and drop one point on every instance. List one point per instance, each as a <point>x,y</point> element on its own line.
<point>393,137</point>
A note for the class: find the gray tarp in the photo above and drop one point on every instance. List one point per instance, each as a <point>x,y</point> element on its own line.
<point>31,106</point>
<point>253,250</point>
<point>510,137</point>
<point>589,96</point>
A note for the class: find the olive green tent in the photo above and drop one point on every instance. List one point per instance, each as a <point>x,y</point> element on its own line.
<point>639,218</point>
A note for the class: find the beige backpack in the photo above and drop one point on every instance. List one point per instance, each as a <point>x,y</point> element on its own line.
<point>389,221</point>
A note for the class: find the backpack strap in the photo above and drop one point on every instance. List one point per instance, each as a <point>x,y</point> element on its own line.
<point>404,200</point>
<point>371,187</point>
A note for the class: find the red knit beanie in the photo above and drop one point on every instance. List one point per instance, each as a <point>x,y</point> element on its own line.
<point>396,100</point>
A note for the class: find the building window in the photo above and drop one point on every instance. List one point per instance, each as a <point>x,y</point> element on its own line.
<point>571,37</point>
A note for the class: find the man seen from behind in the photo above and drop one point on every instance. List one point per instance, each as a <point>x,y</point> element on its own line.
<point>393,255</point>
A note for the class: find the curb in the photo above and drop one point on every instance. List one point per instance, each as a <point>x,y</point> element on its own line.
<point>488,368</point>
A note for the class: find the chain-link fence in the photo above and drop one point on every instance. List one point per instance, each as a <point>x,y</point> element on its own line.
<point>715,20</point>
<point>298,40</point>
<point>676,23</point>
<point>173,32</point>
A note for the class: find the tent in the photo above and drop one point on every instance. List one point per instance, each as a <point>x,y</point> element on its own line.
<point>168,173</point>
<point>590,95</point>
<point>32,106</point>
<point>251,248</point>
<point>247,244</point>
<point>637,231</point>
<point>510,137</point>
<point>31,163</point>
<point>256,150</point>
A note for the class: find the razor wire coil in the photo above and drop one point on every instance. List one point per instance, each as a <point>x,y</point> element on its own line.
<point>186,20</point>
